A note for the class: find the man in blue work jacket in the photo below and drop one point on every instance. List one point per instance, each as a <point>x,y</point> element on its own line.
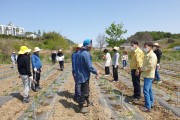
<point>83,69</point>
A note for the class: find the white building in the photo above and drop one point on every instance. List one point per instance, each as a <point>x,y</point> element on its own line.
<point>32,35</point>
<point>11,29</point>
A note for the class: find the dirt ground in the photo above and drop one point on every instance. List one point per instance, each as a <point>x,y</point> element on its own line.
<point>66,109</point>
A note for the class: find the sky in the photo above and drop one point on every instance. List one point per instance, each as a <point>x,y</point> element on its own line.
<point>82,19</point>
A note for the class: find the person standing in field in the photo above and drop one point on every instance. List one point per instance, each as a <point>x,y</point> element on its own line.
<point>77,85</point>
<point>53,57</point>
<point>115,64</point>
<point>84,67</point>
<point>37,67</point>
<point>148,73</point>
<point>107,58</point>
<point>13,59</point>
<point>60,58</point>
<point>124,59</point>
<point>23,64</point>
<point>158,53</point>
<point>136,63</point>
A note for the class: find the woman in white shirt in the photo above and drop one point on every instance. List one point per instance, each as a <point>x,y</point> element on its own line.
<point>107,58</point>
<point>124,59</point>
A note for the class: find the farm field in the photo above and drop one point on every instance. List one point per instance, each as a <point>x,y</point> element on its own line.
<point>110,100</point>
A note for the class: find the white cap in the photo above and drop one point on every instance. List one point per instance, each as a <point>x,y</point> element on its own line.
<point>36,49</point>
<point>116,48</point>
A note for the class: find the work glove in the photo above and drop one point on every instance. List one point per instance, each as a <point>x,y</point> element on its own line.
<point>35,69</point>
<point>31,78</point>
<point>158,66</point>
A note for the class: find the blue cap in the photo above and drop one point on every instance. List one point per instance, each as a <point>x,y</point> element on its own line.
<point>87,42</point>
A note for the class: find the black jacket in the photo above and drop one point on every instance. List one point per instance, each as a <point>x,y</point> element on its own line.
<point>158,54</point>
<point>59,54</point>
<point>23,63</point>
<point>53,56</point>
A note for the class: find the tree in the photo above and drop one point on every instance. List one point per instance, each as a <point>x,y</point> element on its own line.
<point>115,32</point>
<point>101,40</point>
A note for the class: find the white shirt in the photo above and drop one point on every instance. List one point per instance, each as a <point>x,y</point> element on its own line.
<point>108,59</point>
<point>116,59</point>
<point>125,57</point>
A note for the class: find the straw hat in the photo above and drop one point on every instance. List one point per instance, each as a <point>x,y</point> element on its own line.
<point>80,45</point>
<point>37,49</point>
<point>60,50</point>
<point>24,49</point>
<point>116,48</point>
<point>156,44</point>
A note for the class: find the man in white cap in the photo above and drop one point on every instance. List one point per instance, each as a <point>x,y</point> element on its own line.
<point>60,58</point>
<point>158,53</point>
<point>115,64</point>
<point>37,67</point>
<point>77,86</point>
<point>23,64</point>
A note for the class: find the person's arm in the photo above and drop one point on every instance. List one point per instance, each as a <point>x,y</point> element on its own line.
<point>33,61</point>
<point>27,64</point>
<point>88,63</point>
<point>116,59</point>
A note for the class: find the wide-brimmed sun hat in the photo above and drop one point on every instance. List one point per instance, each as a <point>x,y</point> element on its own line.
<point>116,48</point>
<point>156,44</point>
<point>80,45</point>
<point>24,49</point>
<point>37,49</point>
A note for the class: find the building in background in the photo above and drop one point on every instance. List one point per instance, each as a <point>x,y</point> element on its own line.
<point>11,29</point>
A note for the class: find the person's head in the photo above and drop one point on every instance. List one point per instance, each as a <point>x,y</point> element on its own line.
<point>105,50</point>
<point>13,52</point>
<point>24,50</point>
<point>87,44</point>
<point>148,47</point>
<point>115,49</point>
<point>37,50</point>
<point>156,45</point>
<point>134,45</point>
<point>79,47</point>
<point>125,52</point>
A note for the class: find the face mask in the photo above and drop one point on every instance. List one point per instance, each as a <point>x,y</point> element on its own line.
<point>133,48</point>
<point>146,50</point>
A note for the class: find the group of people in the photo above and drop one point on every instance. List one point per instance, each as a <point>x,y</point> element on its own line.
<point>143,64</point>
<point>23,64</point>
<point>58,57</point>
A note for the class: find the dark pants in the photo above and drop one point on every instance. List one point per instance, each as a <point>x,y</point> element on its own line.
<point>124,63</point>
<point>84,92</point>
<point>36,76</point>
<point>53,61</point>
<point>136,84</point>
<point>61,64</point>
<point>107,72</point>
<point>77,93</point>
<point>115,73</point>
<point>157,76</point>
